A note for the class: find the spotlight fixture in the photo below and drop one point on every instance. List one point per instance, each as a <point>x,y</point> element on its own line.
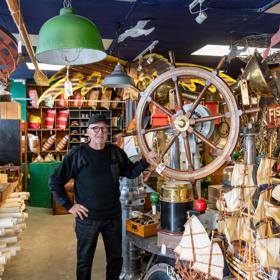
<point>202,16</point>
<point>150,59</point>
<point>139,67</point>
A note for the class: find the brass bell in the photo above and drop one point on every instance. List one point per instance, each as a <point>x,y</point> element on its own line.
<point>259,77</point>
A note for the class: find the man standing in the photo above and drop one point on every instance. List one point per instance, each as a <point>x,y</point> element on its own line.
<point>96,167</point>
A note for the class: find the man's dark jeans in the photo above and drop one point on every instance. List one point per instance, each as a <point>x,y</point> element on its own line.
<point>87,232</point>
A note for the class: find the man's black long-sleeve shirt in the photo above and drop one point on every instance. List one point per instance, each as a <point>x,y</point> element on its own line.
<point>96,174</point>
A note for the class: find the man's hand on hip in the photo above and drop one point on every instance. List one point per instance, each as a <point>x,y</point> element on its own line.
<point>79,210</point>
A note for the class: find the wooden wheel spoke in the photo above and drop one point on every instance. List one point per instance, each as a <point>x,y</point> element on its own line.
<point>189,96</point>
<point>197,101</point>
<point>166,148</point>
<point>147,177</point>
<point>169,144</point>
<point>160,128</point>
<point>251,111</point>
<point>163,109</point>
<point>207,119</point>
<point>188,151</point>
<point>204,139</point>
<point>178,94</point>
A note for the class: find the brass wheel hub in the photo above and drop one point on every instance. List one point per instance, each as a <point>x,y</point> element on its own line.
<point>182,123</point>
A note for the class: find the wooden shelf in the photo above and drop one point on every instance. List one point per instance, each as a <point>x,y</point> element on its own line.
<point>48,129</point>
<point>46,107</point>
<point>81,115</point>
<point>49,151</point>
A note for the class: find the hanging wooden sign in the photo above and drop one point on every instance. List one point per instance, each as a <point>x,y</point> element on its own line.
<point>273,116</point>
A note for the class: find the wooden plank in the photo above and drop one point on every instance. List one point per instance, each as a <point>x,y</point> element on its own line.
<point>6,190</point>
<point>10,110</point>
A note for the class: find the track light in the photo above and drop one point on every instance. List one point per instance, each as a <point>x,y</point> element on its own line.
<point>195,3</point>
<point>201,17</point>
<point>139,67</point>
<point>149,48</point>
<point>150,58</point>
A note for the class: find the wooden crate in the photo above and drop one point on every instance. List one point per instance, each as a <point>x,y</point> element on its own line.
<point>3,178</point>
<point>10,110</point>
<point>142,230</point>
<point>215,192</point>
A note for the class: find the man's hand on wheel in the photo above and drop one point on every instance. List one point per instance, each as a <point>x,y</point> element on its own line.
<point>79,210</point>
<point>153,155</point>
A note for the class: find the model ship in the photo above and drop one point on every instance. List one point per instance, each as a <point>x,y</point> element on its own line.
<point>250,220</point>
<point>198,256</point>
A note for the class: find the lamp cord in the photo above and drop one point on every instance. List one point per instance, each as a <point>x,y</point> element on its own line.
<point>68,60</point>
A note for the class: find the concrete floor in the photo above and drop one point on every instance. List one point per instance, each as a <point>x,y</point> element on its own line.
<point>48,250</point>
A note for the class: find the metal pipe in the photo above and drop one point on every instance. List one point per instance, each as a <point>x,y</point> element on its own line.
<point>175,155</point>
<point>250,146</point>
<point>132,198</point>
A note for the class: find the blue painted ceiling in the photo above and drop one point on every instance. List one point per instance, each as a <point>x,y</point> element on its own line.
<point>176,29</point>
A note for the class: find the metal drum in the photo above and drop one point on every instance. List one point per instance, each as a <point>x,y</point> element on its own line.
<point>176,199</point>
<point>161,271</point>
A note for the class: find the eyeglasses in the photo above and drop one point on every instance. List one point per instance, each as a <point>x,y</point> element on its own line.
<point>96,129</point>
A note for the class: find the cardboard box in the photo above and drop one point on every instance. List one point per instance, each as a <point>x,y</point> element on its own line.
<point>161,121</point>
<point>159,118</point>
<point>215,192</point>
<point>10,111</point>
<point>3,178</point>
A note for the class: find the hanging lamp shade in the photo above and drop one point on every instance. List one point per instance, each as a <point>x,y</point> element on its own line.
<point>118,79</point>
<point>69,39</point>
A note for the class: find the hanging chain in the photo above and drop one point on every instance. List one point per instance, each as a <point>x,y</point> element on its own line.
<point>67,4</point>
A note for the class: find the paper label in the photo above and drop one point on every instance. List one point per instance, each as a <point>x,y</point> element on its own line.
<point>160,168</point>
<point>244,92</point>
<point>154,209</point>
<point>163,249</point>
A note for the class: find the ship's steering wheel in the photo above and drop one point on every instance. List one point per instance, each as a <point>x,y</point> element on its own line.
<point>184,122</point>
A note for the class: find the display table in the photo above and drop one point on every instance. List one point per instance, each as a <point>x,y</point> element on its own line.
<point>40,195</point>
<point>149,244</point>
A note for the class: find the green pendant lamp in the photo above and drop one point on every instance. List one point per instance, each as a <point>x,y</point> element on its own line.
<point>118,79</point>
<point>69,39</point>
